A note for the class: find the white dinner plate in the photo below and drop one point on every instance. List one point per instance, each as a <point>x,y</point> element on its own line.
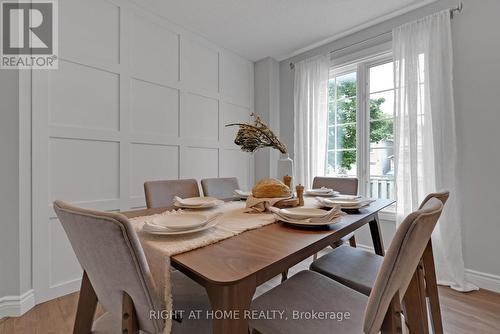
<point>303,213</point>
<point>198,202</point>
<point>183,221</point>
<point>199,229</point>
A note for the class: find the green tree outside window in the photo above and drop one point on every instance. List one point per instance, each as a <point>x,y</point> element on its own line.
<point>381,128</point>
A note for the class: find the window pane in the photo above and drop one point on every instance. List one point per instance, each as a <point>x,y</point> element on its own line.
<point>382,173</point>
<point>381,77</point>
<point>346,85</point>
<point>331,138</point>
<point>382,105</point>
<point>381,178</point>
<point>381,133</point>
<point>346,136</point>
<point>342,163</point>
<point>346,110</point>
<point>331,102</point>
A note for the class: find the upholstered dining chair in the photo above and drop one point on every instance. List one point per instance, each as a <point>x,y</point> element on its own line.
<point>357,269</point>
<point>380,311</point>
<point>344,185</point>
<point>222,187</point>
<point>117,276</point>
<point>160,194</point>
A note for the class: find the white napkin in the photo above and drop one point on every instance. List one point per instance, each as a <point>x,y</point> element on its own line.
<point>322,191</point>
<point>183,202</point>
<point>347,197</point>
<point>332,216</point>
<point>258,205</point>
<point>242,193</point>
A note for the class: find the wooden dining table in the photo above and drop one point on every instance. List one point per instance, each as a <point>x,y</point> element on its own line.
<point>232,269</point>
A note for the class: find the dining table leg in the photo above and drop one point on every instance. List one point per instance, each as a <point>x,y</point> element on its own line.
<point>378,244</point>
<point>229,303</point>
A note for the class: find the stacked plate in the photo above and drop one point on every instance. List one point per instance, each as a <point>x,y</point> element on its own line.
<point>308,216</point>
<point>197,202</point>
<point>345,202</point>
<point>324,192</point>
<point>179,222</point>
<point>241,194</point>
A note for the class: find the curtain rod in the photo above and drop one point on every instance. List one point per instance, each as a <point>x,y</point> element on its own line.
<point>453,11</point>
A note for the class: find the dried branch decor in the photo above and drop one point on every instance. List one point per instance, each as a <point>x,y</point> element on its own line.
<point>251,137</point>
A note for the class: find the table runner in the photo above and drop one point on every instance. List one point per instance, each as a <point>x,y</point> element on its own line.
<point>159,249</point>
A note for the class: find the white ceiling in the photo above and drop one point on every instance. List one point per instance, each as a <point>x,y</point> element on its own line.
<point>256,29</point>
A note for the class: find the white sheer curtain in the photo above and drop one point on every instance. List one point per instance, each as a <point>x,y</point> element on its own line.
<point>425,143</point>
<point>310,107</point>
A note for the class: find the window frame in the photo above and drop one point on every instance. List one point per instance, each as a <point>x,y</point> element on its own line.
<point>361,64</point>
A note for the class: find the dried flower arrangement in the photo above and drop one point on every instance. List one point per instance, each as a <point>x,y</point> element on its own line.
<point>251,137</point>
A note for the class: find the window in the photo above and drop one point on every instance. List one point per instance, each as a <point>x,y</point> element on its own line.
<point>361,125</point>
<point>342,126</point>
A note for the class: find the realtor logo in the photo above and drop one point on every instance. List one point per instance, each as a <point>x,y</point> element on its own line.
<point>29,34</point>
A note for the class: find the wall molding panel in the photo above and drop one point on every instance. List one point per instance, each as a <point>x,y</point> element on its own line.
<point>136,98</point>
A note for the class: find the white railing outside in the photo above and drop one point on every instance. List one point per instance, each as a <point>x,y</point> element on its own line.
<point>382,187</point>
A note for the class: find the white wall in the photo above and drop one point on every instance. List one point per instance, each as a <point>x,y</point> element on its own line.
<point>135,98</point>
<point>267,106</point>
<point>476,83</point>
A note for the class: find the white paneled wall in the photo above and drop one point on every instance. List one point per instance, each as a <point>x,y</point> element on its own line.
<point>136,98</point>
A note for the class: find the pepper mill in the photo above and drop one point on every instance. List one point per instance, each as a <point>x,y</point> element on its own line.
<point>287,180</point>
<point>300,194</point>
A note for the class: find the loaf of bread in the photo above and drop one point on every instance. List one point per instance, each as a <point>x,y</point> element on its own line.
<point>270,188</point>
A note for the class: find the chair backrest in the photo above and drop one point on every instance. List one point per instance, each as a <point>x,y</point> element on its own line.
<point>344,185</point>
<point>222,188</point>
<point>160,194</point>
<point>400,262</point>
<point>109,251</point>
<point>442,195</point>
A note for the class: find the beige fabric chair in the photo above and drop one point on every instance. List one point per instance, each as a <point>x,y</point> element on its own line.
<point>222,188</point>
<point>380,311</point>
<point>357,268</point>
<point>344,185</point>
<point>160,194</point>
<point>116,273</point>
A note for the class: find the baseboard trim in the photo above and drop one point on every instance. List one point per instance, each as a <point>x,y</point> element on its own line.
<point>58,290</point>
<point>15,306</point>
<point>482,280</point>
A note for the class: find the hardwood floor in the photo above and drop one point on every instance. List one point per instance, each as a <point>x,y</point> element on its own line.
<point>473,312</point>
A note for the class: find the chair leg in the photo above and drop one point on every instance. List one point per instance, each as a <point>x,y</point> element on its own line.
<point>87,304</point>
<point>129,317</point>
<point>432,289</point>
<point>392,321</point>
<point>284,276</point>
<point>415,304</point>
<point>352,241</point>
